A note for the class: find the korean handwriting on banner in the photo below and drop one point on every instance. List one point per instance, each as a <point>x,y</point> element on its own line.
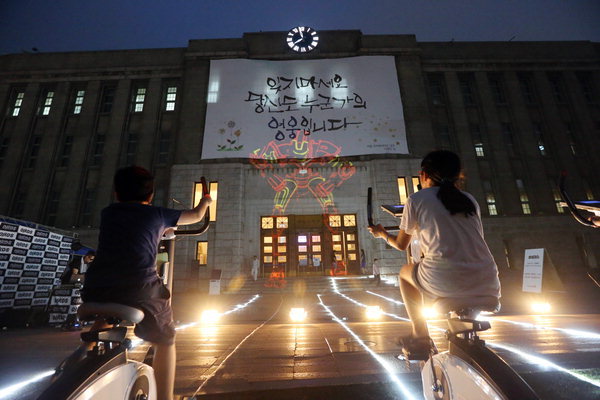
<point>286,94</point>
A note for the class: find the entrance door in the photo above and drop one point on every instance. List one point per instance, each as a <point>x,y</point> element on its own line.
<point>309,249</point>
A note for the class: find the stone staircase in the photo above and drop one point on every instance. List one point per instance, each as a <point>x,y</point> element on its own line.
<point>312,284</point>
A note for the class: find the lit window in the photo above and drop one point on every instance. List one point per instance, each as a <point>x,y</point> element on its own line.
<point>490,199</point>
<point>282,249</point>
<point>416,183</point>
<point>402,189</point>
<point>281,239</point>
<point>202,252</point>
<point>138,101</point>
<point>557,198</point>
<point>268,249</point>
<point>17,103</point>
<point>282,222</point>
<point>267,222</point>
<point>78,101</point>
<point>268,259</point>
<point>350,237</point>
<point>47,103</point>
<point>352,256</point>
<point>335,221</point>
<point>170,99</point>
<point>302,239</point>
<point>479,150</point>
<point>282,259</point>
<point>267,239</point>
<point>213,188</point>
<point>523,198</point>
<point>349,220</point>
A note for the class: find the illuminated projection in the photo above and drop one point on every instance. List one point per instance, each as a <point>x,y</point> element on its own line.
<point>258,103</point>
<point>307,157</point>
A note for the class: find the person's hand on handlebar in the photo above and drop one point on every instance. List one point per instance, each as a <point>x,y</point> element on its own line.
<point>596,220</point>
<point>378,231</point>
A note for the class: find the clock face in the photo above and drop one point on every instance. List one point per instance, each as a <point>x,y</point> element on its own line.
<point>302,39</point>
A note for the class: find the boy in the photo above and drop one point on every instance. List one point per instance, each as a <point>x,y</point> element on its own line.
<point>124,270</point>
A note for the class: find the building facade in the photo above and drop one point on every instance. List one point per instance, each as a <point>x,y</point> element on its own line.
<point>518,113</point>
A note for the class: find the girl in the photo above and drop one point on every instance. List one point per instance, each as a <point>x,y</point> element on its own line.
<point>456,261</point>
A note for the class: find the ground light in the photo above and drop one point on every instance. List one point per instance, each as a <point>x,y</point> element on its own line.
<point>210,317</point>
<point>298,314</point>
<point>373,312</point>
<point>541,307</point>
<point>429,313</point>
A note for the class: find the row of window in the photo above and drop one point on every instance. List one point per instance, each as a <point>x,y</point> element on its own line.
<point>78,96</point>
<point>497,88</point>
<point>490,198</point>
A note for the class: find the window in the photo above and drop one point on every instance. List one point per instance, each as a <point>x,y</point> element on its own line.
<point>436,88</point>
<point>335,221</point>
<point>571,137</point>
<point>478,143</point>
<point>78,102</point>
<point>267,223</point>
<point>350,220</point>
<point>587,86</point>
<point>557,88</point>
<point>402,189</point>
<point>527,88</point>
<point>557,197</point>
<point>416,184</point>
<point>34,151</point>
<point>3,149</point>
<point>490,199</point>
<point>202,252</point>
<point>213,92</point>
<point>138,99</point>
<point>132,140</point>
<point>523,198</point>
<point>537,132</point>
<point>164,143</point>
<point>89,196</point>
<point>170,98</point>
<point>466,89</point>
<point>17,102</point>
<point>98,150</point>
<point>508,136</point>
<point>108,98</point>
<point>52,206</point>
<point>19,204</point>
<point>47,105</point>
<point>282,222</point>
<point>497,88</point>
<point>65,152</point>
<point>213,189</point>
<point>444,137</point>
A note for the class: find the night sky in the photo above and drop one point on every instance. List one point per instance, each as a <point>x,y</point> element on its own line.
<point>80,25</point>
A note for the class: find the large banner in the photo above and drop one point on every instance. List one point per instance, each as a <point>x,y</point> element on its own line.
<point>353,103</point>
<point>31,262</point>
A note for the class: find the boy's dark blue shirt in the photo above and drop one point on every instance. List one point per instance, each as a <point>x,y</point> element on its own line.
<point>128,243</point>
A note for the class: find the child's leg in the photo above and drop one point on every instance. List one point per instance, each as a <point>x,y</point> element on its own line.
<point>412,301</point>
<point>164,370</point>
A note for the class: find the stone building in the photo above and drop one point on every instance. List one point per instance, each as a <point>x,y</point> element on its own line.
<point>518,113</point>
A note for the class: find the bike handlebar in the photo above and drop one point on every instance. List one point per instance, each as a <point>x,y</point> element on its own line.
<point>572,207</point>
<point>206,223</point>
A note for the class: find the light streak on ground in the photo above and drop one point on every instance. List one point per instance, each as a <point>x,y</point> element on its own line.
<point>7,391</point>
<point>384,363</point>
<point>573,332</point>
<point>234,309</point>
<point>12,389</point>
<point>544,363</point>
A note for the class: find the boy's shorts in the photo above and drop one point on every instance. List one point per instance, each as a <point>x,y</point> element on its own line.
<point>152,298</point>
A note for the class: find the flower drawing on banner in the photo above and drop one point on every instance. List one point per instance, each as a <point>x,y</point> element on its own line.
<point>230,137</point>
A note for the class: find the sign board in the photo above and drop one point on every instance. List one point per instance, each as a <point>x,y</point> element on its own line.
<point>352,102</point>
<point>533,268</point>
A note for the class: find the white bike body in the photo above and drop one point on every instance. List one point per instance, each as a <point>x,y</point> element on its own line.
<point>127,381</point>
<point>459,380</point>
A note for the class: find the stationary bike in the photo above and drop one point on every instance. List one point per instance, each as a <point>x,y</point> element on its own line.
<point>106,372</point>
<point>468,369</point>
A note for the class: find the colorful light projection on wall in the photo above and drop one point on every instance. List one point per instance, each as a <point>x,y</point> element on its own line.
<point>316,170</point>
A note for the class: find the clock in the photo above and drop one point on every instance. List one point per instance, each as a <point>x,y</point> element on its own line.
<point>302,39</point>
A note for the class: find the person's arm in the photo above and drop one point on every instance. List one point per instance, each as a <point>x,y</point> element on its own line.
<point>196,214</point>
<point>399,242</point>
<point>596,220</point>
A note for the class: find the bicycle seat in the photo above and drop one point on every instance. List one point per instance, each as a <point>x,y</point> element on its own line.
<point>93,311</point>
<point>467,306</point>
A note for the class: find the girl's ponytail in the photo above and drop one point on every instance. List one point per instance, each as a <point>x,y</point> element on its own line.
<point>443,167</point>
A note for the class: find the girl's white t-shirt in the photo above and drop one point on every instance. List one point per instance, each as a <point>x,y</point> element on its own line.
<point>457,262</point>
